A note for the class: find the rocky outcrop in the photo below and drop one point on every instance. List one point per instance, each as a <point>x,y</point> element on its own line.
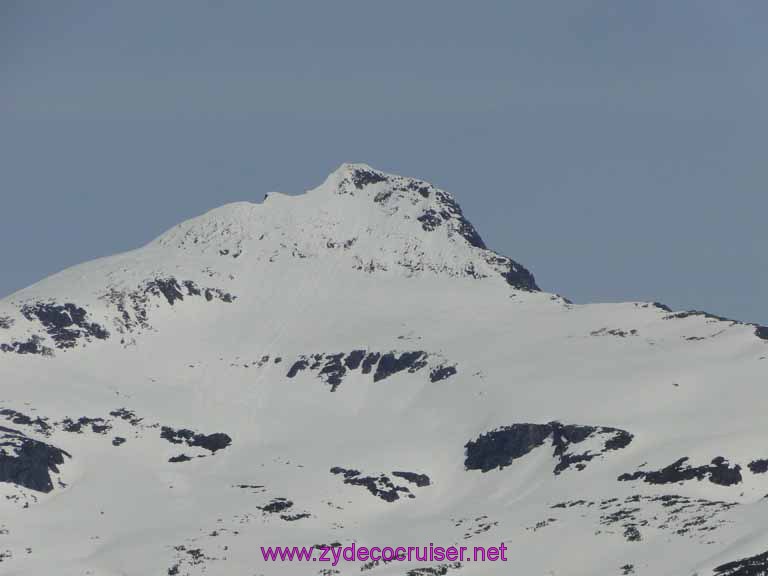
<point>501,447</point>
<point>26,462</point>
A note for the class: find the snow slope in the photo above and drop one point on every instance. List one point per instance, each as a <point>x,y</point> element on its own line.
<point>331,349</point>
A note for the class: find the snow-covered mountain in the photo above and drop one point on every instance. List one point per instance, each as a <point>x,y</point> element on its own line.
<point>354,365</point>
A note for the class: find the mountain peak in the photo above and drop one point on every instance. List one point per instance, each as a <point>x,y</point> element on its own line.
<point>354,175</point>
<point>378,222</point>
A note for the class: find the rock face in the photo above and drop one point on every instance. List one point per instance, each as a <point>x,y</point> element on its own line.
<point>718,472</point>
<point>381,485</point>
<point>27,462</point>
<point>500,448</point>
<point>64,323</point>
<point>756,565</point>
<point>31,346</point>
<point>37,423</point>
<point>332,368</point>
<point>212,442</point>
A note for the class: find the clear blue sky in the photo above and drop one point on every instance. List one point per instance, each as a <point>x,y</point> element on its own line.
<point>616,148</point>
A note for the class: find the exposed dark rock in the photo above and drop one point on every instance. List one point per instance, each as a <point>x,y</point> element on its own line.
<point>519,277</point>
<point>620,439</point>
<point>430,220</point>
<point>346,245</point>
<point>211,442</point>
<point>760,331</point>
<point>515,274</point>
<point>5,322</point>
<point>39,424</point>
<point>332,368</point>
<point>718,472</point>
<point>759,466</point>
<point>133,305</point>
<point>445,212</point>
<point>380,486</point>
<point>64,323</point>
<point>294,517</point>
<point>276,506</point>
<point>564,436</point>
<point>370,361</point>
<point>297,367</point>
<point>118,441</point>
<point>333,371</point>
<point>168,287</point>
<point>390,364</point>
<point>127,415</point>
<point>324,546</point>
<point>441,373</point>
<point>499,448</point>
<point>192,288</point>
<point>346,472</point>
<point>677,514</point>
<point>440,570</point>
<point>752,566</point>
<point>421,187</point>
<point>420,480</point>
<point>362,178</point>
<point>701,313</point>
<point>189,557</point>
<point>383,196</point>
<point>450,210</point>
<point>722,474</point>
<point>216,294</point>
<point>249,486</point>
<point>614,332</point>
<point>33,345</point>
<point>632,534</point>
<point>98,425</point>
<point>27,462</point>
<point>354,359</point>
<point>449,213</point>
<point>179,458</point>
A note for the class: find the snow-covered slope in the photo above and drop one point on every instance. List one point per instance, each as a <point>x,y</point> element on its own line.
<point>354,365</point>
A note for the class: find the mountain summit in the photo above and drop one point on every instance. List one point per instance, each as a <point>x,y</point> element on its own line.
<point>354,366</point>
<point>373,220</point>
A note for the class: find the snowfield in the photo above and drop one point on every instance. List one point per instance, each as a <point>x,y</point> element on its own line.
<point>353,364</point>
